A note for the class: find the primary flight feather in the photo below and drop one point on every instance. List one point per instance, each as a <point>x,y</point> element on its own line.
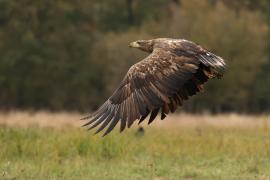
<point>174,70</point>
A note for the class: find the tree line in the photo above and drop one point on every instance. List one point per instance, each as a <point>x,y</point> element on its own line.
<point>71,55</point>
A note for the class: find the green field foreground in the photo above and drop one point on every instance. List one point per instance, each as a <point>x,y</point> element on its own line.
<point>199,151</point>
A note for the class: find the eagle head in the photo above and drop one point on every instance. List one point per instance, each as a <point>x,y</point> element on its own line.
<point>144,45</point>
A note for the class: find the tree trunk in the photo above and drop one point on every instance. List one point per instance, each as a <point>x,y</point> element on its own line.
<point>130,11</point>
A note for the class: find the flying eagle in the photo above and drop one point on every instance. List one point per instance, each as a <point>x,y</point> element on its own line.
<point>174,70</point>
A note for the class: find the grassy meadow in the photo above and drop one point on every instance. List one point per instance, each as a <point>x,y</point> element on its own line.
<point>53,146</point>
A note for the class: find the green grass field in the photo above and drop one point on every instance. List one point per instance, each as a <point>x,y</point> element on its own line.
<point>169,152</point>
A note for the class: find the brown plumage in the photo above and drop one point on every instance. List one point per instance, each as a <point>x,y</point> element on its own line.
<point>175,70</point>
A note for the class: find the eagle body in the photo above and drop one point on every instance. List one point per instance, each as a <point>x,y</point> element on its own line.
<point>174,70</point>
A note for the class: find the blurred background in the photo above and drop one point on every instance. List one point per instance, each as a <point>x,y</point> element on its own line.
<point>71,55</point>
<point>62,58</point>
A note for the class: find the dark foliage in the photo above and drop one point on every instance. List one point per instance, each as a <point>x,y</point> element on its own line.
<point>70,55</point>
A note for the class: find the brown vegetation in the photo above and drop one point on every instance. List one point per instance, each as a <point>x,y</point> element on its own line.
<point>182,120</point>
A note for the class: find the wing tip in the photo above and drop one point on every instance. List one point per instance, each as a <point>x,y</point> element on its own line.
<point>85,117</point>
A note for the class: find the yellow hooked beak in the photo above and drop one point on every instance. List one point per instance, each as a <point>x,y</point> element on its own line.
<point>134,45</point>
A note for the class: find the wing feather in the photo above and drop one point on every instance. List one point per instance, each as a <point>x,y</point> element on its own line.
<point>107,120</point>
<point>153,115</point>
<point>99,119</point>
<point>114,121</point>
<point>124,116</point>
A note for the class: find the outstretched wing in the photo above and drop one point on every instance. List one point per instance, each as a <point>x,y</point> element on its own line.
<point>160,82</point>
